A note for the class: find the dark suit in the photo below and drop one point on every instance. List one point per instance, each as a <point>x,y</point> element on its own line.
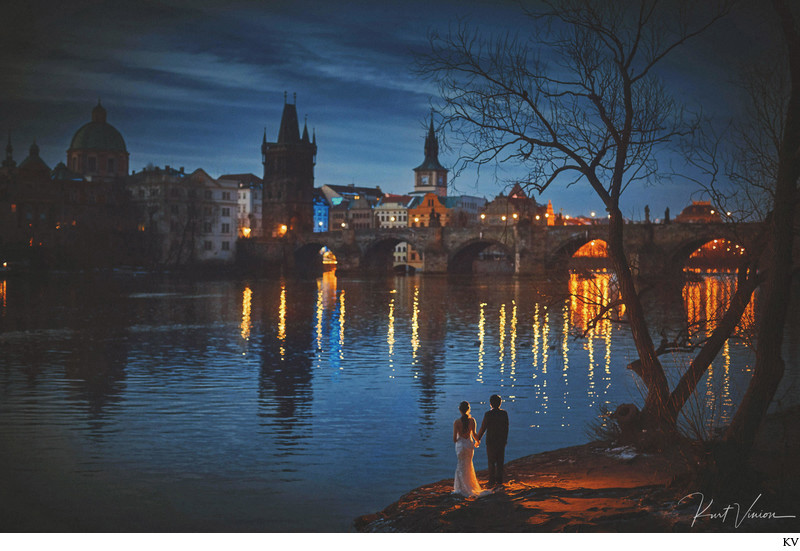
<point>495,424</point>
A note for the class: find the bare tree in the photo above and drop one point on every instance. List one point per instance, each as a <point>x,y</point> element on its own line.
<point>580,101</point>
<point>784,127</point>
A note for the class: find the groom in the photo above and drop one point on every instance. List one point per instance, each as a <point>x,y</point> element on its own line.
<point>495,425</point>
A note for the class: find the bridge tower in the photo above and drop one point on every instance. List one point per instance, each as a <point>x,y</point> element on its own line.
<point>288,176</point>
<point>431,176</point>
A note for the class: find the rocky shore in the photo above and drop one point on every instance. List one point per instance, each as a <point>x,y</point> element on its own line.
<point>598,487</point>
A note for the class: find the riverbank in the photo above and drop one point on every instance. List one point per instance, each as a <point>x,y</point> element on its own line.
<point>597,487</point>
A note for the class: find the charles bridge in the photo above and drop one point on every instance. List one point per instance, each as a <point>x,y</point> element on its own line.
<point>653,249</point>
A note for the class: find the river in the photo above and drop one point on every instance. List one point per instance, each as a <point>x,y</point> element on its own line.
<point>144,404</point>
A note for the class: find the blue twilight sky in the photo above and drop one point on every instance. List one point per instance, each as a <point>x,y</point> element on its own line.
<point>194,83</point>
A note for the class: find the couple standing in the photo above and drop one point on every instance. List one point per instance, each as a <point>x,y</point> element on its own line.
<point>495,425</point>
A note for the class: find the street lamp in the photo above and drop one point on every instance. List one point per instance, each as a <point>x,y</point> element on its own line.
<point>503,218</point>
<point>515,216</point>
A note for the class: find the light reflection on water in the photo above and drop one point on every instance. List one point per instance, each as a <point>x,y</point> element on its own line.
<point>298,405</point>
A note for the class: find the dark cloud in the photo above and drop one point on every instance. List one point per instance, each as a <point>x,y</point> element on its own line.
<point>195,83</point>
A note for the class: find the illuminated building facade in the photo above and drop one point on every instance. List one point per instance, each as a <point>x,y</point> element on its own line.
<point>185,218</point>
<point>250,202</point>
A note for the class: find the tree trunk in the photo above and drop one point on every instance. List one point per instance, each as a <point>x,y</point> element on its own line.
<point>769,365</point>
<point>733,315</point>
<point>652,372</point>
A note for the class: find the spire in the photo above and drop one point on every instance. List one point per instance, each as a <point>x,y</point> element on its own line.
<point>431,161</point>
<point>9,160</point>
<point>431,143</point>
<point>290,128</point>
<point>264,139</point>
<point>305,130</point>
<point>34,151</point>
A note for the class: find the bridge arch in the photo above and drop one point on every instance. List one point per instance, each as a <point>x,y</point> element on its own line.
<point>563,253</point>
<point>378,256</point>
<point>308,258</point>
<point>462,260</point>
<point>732,251</point>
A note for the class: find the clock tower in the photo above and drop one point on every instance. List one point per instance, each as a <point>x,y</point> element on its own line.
<point>431,176</point>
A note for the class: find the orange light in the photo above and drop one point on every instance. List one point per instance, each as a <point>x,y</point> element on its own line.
<point>246,232</point>
<point>503,218</point>
<point>516,216</point>
<point>483,216</point>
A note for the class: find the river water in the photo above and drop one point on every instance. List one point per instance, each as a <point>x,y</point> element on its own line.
<point>284,405</point>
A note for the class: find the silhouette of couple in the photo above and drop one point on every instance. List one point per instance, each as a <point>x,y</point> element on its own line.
<point>495,425</point>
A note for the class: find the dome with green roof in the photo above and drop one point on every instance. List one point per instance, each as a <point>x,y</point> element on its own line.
<point>98,134</point>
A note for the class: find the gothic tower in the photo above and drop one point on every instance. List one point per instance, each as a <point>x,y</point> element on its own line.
<point>288,176</point>
<point>431,176</point>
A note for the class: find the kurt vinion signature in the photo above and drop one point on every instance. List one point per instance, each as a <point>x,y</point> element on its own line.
<point>734,509</point>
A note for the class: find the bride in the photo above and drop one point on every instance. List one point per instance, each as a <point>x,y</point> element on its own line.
<point>465,439</point>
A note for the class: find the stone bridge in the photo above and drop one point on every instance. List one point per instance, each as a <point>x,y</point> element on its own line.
<point>653,249</point>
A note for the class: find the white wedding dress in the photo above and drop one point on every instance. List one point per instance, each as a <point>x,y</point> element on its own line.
<point>465,482</point>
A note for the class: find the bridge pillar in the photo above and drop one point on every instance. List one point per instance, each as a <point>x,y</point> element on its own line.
<point>435,257</point>
<point>348,255</point>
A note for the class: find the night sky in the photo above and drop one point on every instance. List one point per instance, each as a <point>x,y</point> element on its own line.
<point>194,83</point>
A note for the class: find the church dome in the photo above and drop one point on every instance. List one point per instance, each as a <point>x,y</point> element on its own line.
<point>34,163</point>
<point>98,134</point>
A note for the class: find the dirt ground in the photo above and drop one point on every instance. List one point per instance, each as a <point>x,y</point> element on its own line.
<point>598,487</point>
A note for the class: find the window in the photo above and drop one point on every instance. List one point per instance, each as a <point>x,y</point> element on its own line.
<point>226,195</point>
<point>207,194</point>
<point>206,245</point>
<point>92,163</point>
<point>207,227</point>
<point>207,210</point>
<point>226,211</point>
<point>226,246</point>
<point>111,167</point>
<point>226,228</point>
